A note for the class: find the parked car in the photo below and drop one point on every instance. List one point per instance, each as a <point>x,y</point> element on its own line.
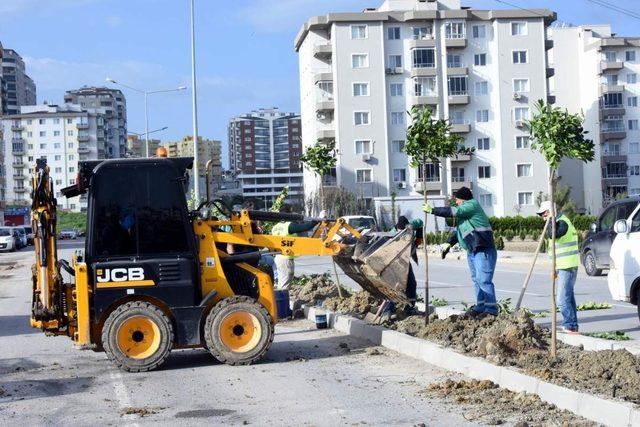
<point>22,237</point>
<point>624,268</point>
<point>7,239</point>
<point>30,234</point>
<point>594,252</point>
<point>68,233</point>
<point>361,222</point>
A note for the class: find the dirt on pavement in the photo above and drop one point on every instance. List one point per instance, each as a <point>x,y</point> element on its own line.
<point>313,288</point>
<point>359,303</point>
<point>485,402</point>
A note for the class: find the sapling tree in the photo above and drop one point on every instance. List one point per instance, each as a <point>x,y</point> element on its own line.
<point>429,140</point>
<point>557,134</point>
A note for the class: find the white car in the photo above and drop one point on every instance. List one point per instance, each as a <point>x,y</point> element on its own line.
<point>7,239</point>
<point>624,273</point>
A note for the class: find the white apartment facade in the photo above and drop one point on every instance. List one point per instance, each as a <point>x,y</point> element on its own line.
<point>482,69</point>
<point>64,135</point>
<point>597,75</point>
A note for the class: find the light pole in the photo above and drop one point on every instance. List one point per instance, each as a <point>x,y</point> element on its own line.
<point>194,101</point>
<point>146,94</point>
<point>148,133</point>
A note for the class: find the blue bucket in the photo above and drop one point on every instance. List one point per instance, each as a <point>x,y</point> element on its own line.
<point>321,321</point>
<point>282,304</point>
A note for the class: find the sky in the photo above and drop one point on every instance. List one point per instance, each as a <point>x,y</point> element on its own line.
<point>245,54</point>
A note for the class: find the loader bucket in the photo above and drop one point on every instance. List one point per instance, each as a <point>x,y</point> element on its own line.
<point>379,263</point>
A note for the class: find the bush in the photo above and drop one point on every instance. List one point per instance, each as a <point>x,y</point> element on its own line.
<point>523,235</point>
<point>509,234</point>
<point>499,243</point>
<point>71,220</point>
<point>534,223</point>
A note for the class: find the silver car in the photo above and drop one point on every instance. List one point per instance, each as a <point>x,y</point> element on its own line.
<point>7,239</point>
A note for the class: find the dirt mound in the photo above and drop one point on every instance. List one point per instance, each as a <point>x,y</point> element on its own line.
<point>485,402</point>
<point>309,289</point>
<point>359,303</point>
<point>501,339</point>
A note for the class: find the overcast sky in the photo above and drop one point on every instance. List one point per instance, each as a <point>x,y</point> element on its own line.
<point>245,50</point>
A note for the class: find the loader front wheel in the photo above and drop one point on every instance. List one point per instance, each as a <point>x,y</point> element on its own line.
<point>137,336</point>
<point>238,331</point>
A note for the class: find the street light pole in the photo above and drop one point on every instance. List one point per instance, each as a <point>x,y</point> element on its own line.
<point>194,100</point>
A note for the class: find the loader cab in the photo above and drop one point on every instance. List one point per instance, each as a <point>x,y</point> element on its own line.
<point>139,237</point>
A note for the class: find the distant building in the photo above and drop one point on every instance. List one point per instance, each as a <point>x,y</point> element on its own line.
<point>136,146</point>
<point>114,104</point>
<point>16,87</point>
<point>64,135</point>
<point>264,154</point>
<point>3,174</point>
<point>208,149</point>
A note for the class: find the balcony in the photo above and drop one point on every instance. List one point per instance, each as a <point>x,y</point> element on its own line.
<point>323,51</point>
<point>429,71</point>
<point>424,100</point>
<point>612,42</point>
<point>461,158</point>
<point>16,127</point>
<point>18,151</point>
<point>457,71</point>
<point>460,127</point>
<point>414,44</point>
<point>612,110</point>
<point>18,177</point>
<point>459,182</point>
<point>614,179</point>
<point>17,165</point>
<point>324,103</point>
<point>457,43</point>
<point>420,186</point>
<point>18,140</point>
<point>611,66</point>
<point>607,88</point>
<point>323,77</point>
<point>20,190</point>
<point>83,138</point>
<point>607,134</point>
<point>326,134</point>
<point>83,149</point>
<point>458,99</point>
<point>614,156</point>
<point>83,126</point>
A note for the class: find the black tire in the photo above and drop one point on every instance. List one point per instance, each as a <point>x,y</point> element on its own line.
<point>589,262</point>
<point>113,339</point>
<point>219,318</point>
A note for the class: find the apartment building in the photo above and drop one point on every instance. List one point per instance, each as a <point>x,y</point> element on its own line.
<point>114,105</point>
<point>597,75</point>
<point>264,154</point>
<point>137,147</point>
<point>481,69</point>
<point>208,149</point>
<point>16,87</point>
<point>63,134</point>
<point>3,174</point>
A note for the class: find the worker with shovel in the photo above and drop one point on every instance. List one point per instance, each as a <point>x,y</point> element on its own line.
<point>473,233</point>
<point>567,261</point>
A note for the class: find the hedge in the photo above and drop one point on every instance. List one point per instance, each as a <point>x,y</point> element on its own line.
<point>532,224</point>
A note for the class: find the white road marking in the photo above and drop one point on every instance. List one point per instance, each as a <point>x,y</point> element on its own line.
<point>122,394</point>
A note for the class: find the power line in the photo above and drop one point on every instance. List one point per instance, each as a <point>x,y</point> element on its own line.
<point>519,7</point>
<point>615,8</point>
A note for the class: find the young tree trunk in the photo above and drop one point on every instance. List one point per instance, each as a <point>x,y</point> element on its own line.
<point>333,262</point>
<point>552,185</point>
<point>424,242</point>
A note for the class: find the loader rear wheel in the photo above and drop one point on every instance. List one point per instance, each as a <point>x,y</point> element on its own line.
<point>238,331</point>
<point>137,336</point>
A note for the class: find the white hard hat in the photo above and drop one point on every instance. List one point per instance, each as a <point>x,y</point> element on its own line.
<point>544,206</point>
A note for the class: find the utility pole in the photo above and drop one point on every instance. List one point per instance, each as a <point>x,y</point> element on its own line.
<point>194,100</point>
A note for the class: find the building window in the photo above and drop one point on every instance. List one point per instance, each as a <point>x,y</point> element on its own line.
<point>56,133</point>
<point>633,124</point>
<point>29,121</point>
<point>525,198</point>
<point>69,133</point>
<point>361,89</point>
<point>72,182</point>
<point>425,86</point>
<point>361,117</point>
<point>43,133</point>
<point>612,100</point>
<point>363,147</point>
<point>485,200</point>
<point>484,172</point>
<point>521,85</point>
<point>72,157</point>
<point>359,60</point>
<point>58,170</point>
<point>43,146</point>
<point>424,58</point>
<point>610,79</point>
<point>396,89</point>
<point>397,146</point>
<point>393,33</point>
<point>630,55</point>
<point>454,60</point>
<point>484,144</point>
<point>363,175</point>
<point>634,170</point>
<point>72,169</point>
<point>482,116</point>
<point>521,113</point>
<point>524,169</point>
<point>456,117</point>
<point>397,118</point>
<point>70,144</point>
<point>58,157</point>
<point>358,32</point>
<point>69,121</point>
<point>29,134</point>
<point>482,88</point>
<point>610,56</point>
<point>56,121</point>
<point>457,85</point>
<point>519,56</point>
<point>634,148</point>
<point>480,59</point>
<point>632,101</point>
<point>632,78</point>
<point>457,174</point>
<point>454,30</point>
<point>42,121</point>
<point>522,142</point>
<point>518,28</point>
<point>433,172</point>
<point>30,146</point>
<point>422,33</point>
<point>57,145</point>
<point>395,61</point>
<point>58,182</point>
<point>479,31</point>
<point>399,175</point>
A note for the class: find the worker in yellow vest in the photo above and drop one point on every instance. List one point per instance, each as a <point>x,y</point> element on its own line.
<point>567,261</point>
<point>285,264</point>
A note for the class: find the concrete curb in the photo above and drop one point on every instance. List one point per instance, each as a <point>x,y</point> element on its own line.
<point>594,408</point>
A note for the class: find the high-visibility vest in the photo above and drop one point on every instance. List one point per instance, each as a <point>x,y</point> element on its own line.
<point>567,249</point>
<point>282,229</point>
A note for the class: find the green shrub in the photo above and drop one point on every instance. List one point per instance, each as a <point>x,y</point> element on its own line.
<point>523,235</point>
<point>71,220</point>
<point>509,234</point>
<point>499,243</point>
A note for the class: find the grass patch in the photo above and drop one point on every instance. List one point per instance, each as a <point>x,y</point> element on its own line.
<point>438,302</point>
<point>71,220</point>
<point>614,336</point>
<point>592,305</point>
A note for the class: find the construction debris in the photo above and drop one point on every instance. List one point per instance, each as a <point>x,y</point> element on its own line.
<point>314,288</point>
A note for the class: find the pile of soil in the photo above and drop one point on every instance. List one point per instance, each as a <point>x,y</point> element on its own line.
<point>485,402</point>
<point>359,303</point>
<point>309,289</point>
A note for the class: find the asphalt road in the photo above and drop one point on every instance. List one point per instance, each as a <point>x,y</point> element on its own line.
<point>449,279</point>
<point>308,378</point>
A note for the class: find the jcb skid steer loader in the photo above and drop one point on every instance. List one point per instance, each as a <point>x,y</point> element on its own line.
<point>154,276</point>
